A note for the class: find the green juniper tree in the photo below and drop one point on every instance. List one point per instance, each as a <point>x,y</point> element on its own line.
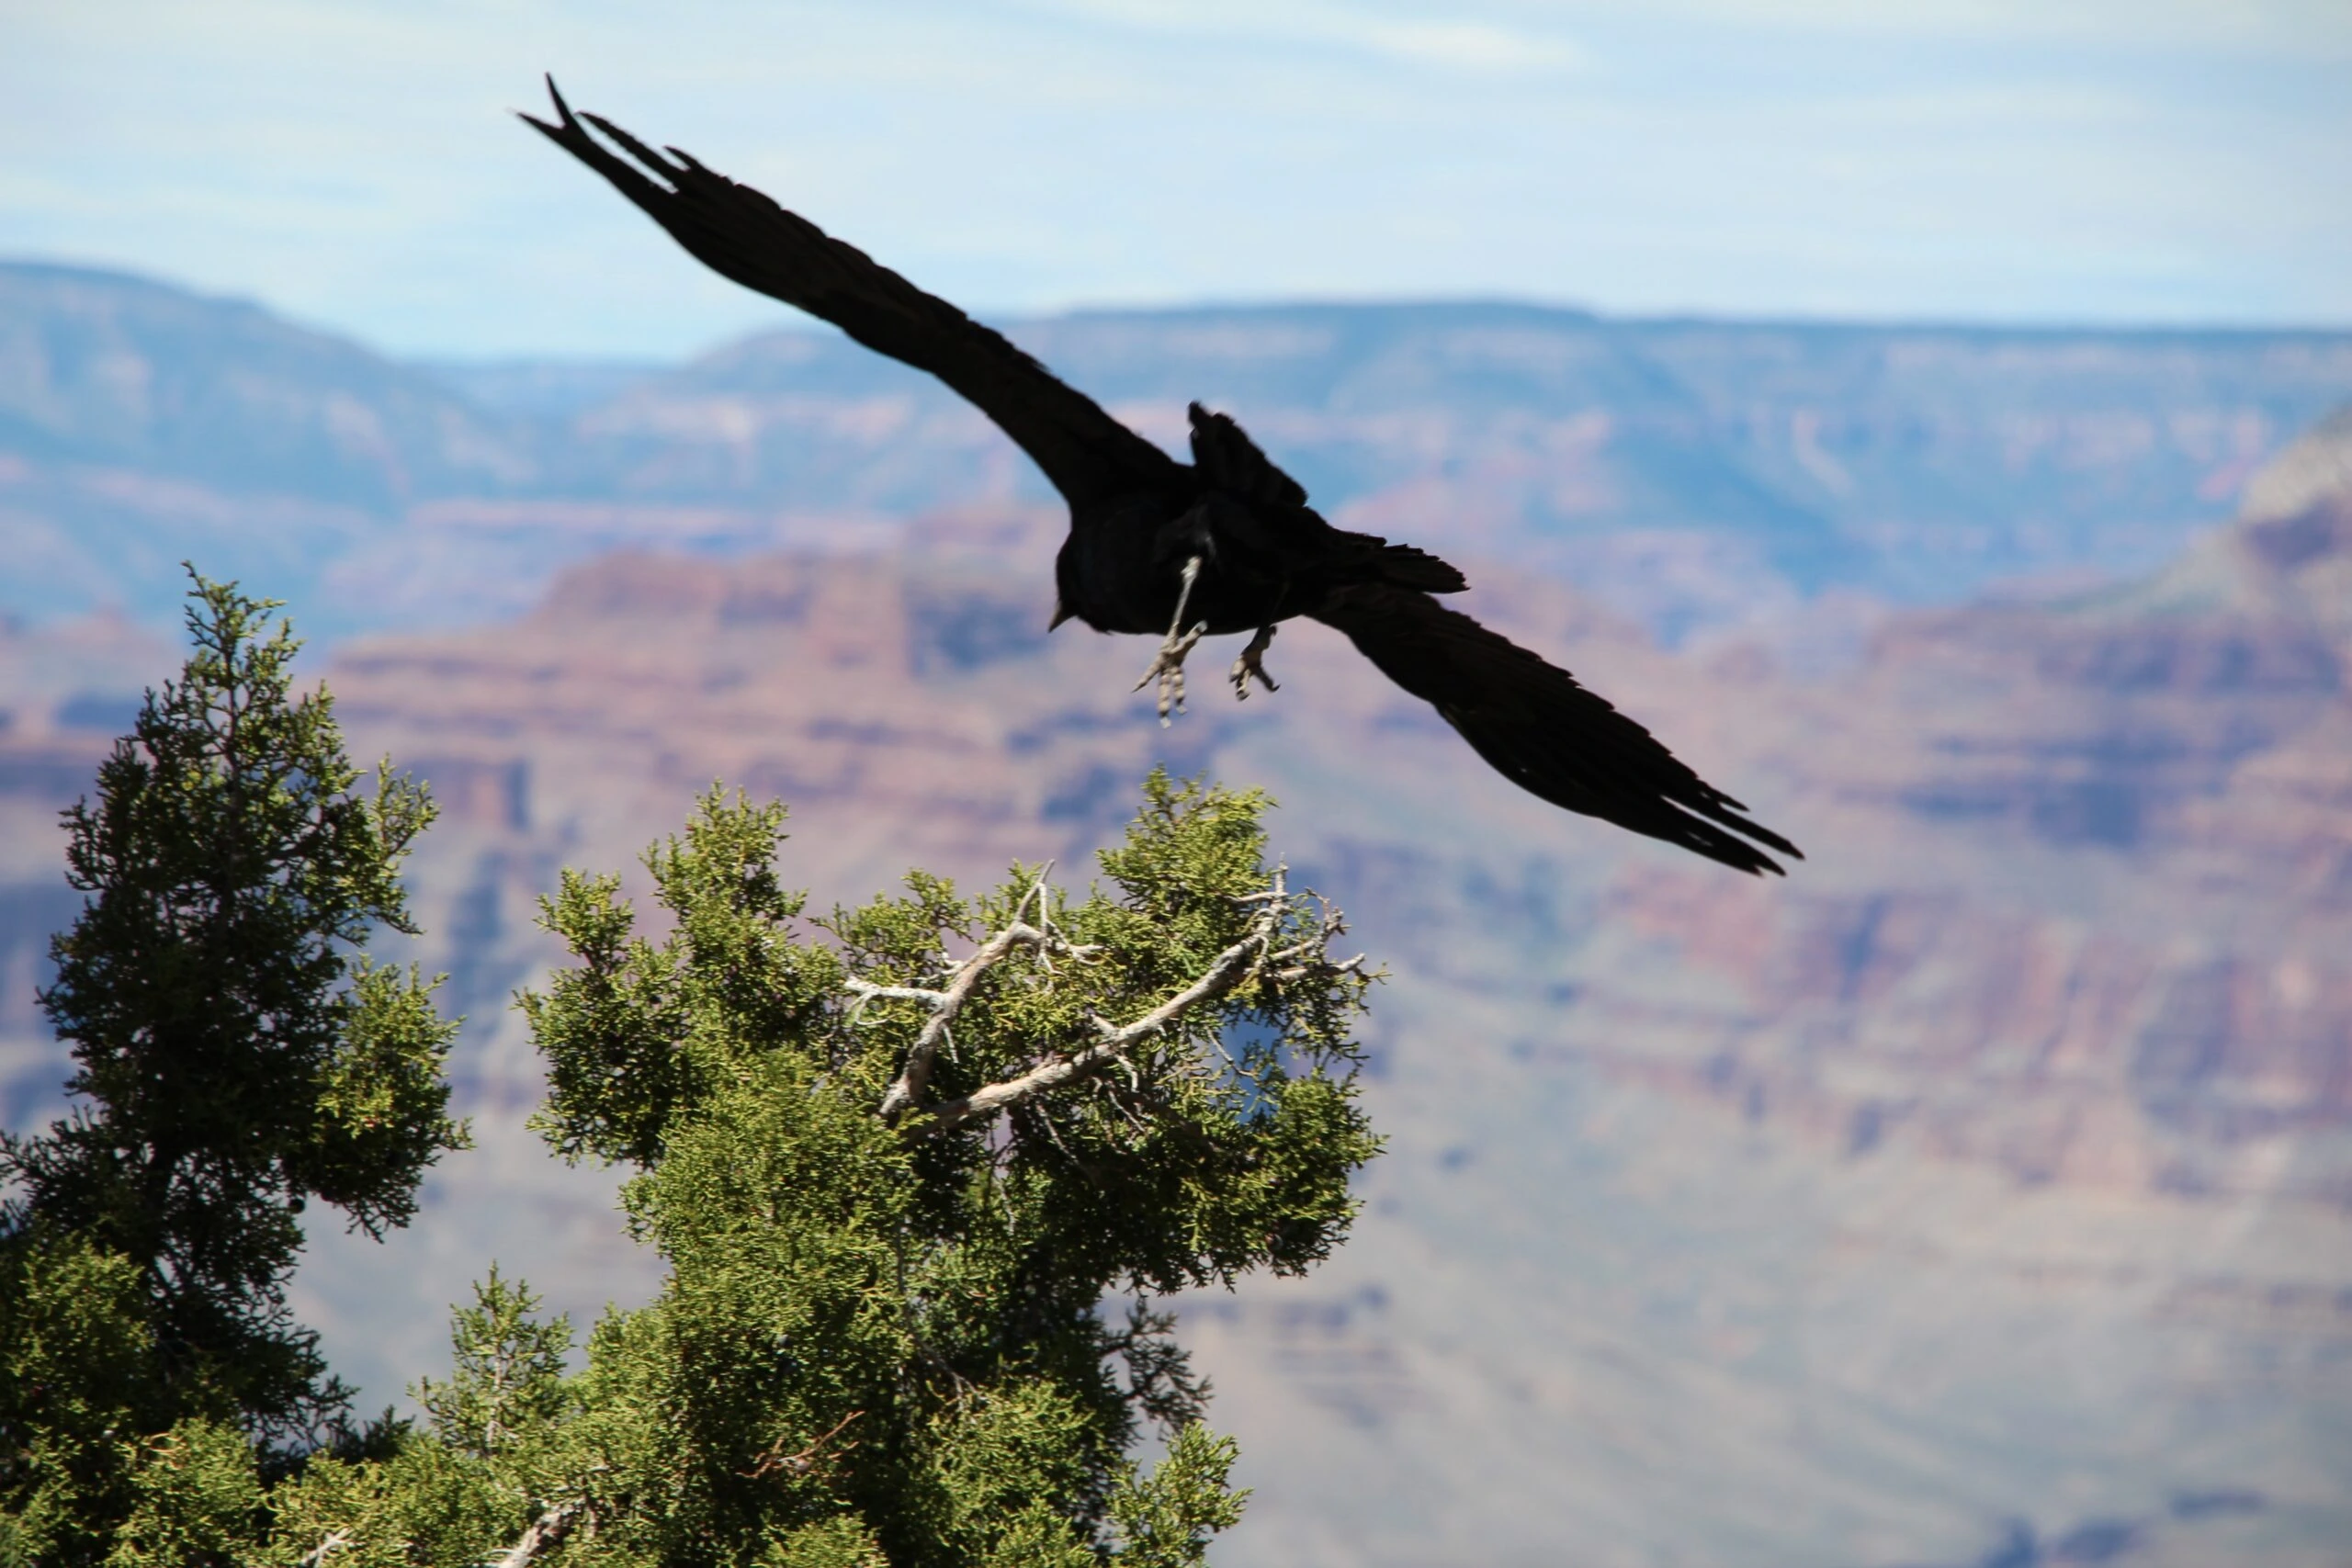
<point>917,1207</point>
<point>237,1055</point>
<point>921,1171</point>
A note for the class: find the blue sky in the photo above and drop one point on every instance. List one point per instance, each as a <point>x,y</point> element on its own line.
<point>354,164</point>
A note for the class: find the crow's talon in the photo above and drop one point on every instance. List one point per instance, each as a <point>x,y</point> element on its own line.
<point>1252,664</point>
<point>1168,668</point>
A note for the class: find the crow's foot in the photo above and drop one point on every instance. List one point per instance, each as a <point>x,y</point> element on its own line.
<point>1167,669</point>
<point>1252,664</point>
<point>1169,665</point>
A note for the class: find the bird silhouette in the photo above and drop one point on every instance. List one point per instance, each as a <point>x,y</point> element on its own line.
<point>1225,544</point>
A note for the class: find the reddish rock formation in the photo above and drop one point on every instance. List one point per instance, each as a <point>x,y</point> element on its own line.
<point>2010,1137</point>
<point>2081,893</point>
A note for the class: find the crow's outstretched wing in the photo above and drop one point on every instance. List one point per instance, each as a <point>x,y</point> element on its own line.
<point>744,235</point>
<point>1542,730</point>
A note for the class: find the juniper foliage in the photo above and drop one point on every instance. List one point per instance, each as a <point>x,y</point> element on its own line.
<point>237,1055</point>
<point>912,1337</point>
<point>890,1340</point>
<point>881,1341</point>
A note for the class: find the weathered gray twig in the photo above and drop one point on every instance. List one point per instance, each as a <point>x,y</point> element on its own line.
<point>546,1533</point>
<point>1225,973</point>
<point>944,1004</point>
<point>335,1540</point>
<point>1252,955</point>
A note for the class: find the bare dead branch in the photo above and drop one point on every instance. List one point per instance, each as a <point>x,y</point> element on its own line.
<point>1253,956</point>
<point>546,1533</point>
<point>915,1077</point>
<point>1226,973</point>
<point>335,1540</point>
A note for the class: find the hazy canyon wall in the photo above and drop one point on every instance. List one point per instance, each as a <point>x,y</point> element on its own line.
<point>1982,1194</point>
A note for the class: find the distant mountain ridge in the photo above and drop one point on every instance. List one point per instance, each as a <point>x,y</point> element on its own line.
<point>1688,471</point>
<point>99,367</point>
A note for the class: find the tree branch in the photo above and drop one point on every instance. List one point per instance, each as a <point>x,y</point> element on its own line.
<point>335,1541</point>
<point>1226,973</point>
<point>774,1459</point>
<point>546,1533</point>
<point>915,1077</point>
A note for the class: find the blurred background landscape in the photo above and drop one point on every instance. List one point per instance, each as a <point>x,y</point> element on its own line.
<point>1980,1197</point>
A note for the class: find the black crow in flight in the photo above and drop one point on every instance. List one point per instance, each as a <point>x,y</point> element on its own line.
<point>1227,543</point>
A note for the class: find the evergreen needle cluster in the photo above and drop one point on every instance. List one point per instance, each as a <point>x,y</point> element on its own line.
<point>237,1055</point>
<point>921,1170</point>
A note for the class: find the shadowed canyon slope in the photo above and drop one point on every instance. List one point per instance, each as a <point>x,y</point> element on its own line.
<point>1981,1195</point>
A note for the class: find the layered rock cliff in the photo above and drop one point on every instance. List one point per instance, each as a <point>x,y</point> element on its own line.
<point>1977,1195</point>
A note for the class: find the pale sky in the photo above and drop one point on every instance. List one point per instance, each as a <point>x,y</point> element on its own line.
<point>354,163</point>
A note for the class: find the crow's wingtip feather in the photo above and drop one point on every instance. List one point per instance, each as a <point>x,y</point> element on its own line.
<point>565,125</point>
<point>636,149</point>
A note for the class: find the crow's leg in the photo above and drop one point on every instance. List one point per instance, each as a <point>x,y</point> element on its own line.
<point>1168,666</point>
<point>1253,662</point>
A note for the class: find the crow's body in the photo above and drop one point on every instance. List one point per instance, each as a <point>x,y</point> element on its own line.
<point>1223,543</point>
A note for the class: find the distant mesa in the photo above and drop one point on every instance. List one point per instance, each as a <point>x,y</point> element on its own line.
<point>1697,474</point>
